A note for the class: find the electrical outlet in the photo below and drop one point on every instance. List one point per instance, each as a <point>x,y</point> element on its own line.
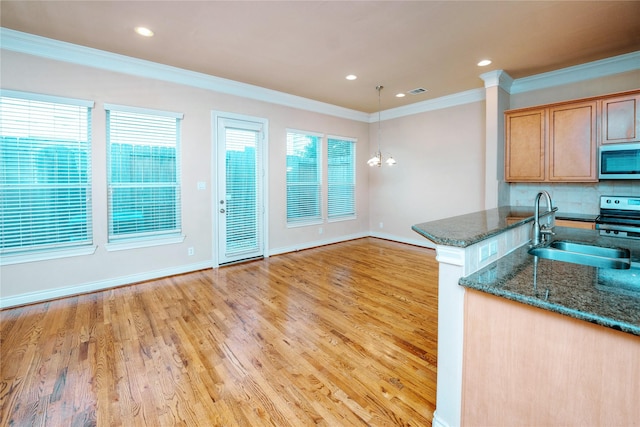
<point>488,250</point>
<point>202,185</point>
<point>381,225</point>
<point>190,251</point>
<point>320,230</point>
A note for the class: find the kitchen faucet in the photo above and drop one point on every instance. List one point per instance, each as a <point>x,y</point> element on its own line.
<point>540,232</point>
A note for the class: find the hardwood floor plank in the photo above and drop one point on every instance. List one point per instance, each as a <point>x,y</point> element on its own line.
<point>340,335</point>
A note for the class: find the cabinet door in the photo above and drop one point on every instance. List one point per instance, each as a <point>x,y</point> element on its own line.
<point>621,119</point>
<point>573,143</point>
<point>575,224</point>
<point>525,146</point>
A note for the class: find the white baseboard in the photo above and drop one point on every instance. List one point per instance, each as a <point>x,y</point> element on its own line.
<point>315,244</point>
<point>50,294</point>
<point>416,242</point>
<point>34,297</point>
<point>308,245</point>
<point>437,421</point>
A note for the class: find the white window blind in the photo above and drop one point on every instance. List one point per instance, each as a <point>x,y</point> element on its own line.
<point>303,177</point>
<point>340,178</point>
<point>242,188</point>
<point>45,172</point>
<point>143,173</point>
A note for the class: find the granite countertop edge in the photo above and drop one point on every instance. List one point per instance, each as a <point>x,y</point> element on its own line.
<point>556,308</point>
<point>465,230</point>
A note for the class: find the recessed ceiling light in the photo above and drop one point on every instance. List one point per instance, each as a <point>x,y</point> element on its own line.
<point>351,77</point>
<point>143,31</point>
<point>400,95</point>
<point>484,63</point>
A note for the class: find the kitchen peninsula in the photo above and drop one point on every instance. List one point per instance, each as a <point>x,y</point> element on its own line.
<point>527,341</point>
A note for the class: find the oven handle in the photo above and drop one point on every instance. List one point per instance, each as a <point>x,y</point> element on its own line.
<point>617,228</point>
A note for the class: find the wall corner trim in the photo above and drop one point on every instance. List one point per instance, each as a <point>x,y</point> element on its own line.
<point>497,78</point>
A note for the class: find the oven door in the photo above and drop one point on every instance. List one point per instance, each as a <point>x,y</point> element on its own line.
<point>620,161</point>
<point>618,227</point>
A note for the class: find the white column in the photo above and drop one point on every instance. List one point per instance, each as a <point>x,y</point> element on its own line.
<point>450,336</point>
<point>497,85</point>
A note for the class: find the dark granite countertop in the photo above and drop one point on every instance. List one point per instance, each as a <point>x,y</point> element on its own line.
<point>465,230</point>
<point>606,297</point>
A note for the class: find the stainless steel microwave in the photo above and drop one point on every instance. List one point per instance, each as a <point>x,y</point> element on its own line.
<point>620,161</point>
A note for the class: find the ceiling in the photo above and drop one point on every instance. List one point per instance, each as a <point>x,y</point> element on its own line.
<point>306,48</point>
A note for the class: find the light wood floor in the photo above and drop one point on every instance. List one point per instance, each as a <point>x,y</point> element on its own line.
<point>341,335</point>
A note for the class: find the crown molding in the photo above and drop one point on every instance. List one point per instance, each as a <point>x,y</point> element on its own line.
<point>67,52</point>
<point>591,70</point>
<point>466,97</point>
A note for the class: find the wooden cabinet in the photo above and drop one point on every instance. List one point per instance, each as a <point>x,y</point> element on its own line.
<point>620,119</point>
<point>526,139</point>
<point>575,224</point>
<point>553,144</point>
<point>527,366</point>
<point>573,143</point>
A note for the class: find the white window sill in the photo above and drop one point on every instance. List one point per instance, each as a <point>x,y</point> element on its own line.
<point>304,223</point>
<point>47,255</point>
<point>144,243</point>
<point>342,218</point>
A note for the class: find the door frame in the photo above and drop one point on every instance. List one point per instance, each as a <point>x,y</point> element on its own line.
<point>216,117</point>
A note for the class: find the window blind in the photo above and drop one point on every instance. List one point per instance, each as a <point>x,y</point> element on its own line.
<point>340,178</point>
<point>45,173</point>
<point>143,173</point>
<point>303,177</point>
<point>242,184</point>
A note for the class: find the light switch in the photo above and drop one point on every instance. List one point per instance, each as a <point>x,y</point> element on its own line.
<point>202,185</point>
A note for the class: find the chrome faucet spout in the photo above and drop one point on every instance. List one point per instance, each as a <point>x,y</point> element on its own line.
<point>541,231</point>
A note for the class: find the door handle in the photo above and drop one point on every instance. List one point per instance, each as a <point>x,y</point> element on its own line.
<point>222,211</point>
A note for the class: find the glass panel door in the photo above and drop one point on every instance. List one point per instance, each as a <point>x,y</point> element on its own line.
<point>239,207</point>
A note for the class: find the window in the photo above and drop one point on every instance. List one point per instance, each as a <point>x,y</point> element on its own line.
<point>303,178</point>
<point>143,169</point>
<point>340,178</point>
<point>45,173</point>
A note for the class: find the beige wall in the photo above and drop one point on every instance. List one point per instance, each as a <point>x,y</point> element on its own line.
<point>440,170</point>
<point>43,279</point>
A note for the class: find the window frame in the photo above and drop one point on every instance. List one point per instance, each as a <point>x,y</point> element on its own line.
<point>153,238</point>
<point>61,249</point>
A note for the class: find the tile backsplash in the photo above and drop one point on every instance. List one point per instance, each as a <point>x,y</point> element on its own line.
<point>582,198</point>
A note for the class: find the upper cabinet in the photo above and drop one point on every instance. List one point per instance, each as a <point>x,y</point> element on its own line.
<point>552,144</point>
<point>573,143</point>
<point>620,118</point>
<point>526,142</point>
<point>559,142</point>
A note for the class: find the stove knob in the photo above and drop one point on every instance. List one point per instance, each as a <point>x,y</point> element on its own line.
<point>616,232</point>
<point>608,200</point>
<point>617,202</point>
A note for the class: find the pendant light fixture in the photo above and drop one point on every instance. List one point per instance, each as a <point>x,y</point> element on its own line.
<point>376,160</point>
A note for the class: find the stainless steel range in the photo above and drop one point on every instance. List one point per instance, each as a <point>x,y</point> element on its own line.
<point>619,217</point>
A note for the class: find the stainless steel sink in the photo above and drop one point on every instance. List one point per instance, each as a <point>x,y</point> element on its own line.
<point>583,248</point>
<point>584,254</point>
